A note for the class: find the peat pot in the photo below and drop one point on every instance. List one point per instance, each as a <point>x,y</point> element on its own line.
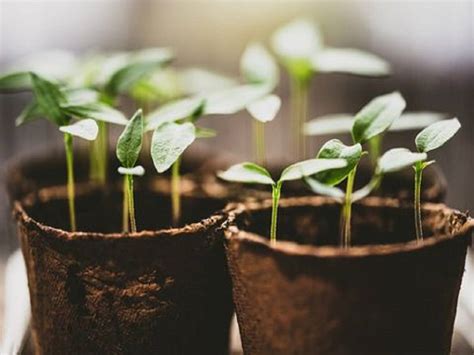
<point>387,294</point>
<point>162,290</point>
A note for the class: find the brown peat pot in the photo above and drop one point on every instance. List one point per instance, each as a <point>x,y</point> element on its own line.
<point>387,294</point>
<point>162,290</point>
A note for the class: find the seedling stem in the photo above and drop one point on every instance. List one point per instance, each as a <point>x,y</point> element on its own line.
<point>276,189</point>
<point>175,192</point>
<point>70,179</point>
<point>347,210</point>
<point>418,225</point>
<point>259,143</point>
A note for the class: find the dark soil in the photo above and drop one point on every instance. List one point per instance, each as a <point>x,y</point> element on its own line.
<point>153,292</point>
<point>386,295</point>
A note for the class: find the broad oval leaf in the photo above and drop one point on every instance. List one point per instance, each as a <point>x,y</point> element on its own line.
<point>323,189</point>
<point>168,143</point>
<point>299,38</point>
<point>397,159</point>
<point>98,112</point>
<point>86,129</point>
<point>310,167</point>
<point>136,170</point>
<point>335,149</point>
<point>49,97</point>
<point>234,99</point>
<point>174,111</point>
<point>76,97</point>
<point>350,61</point>
<point>377,116</point>
<point>129,143</point>
<point>265,109</point>
<point>436,134</point>
<point>258,66</point>
<point>247,173</point>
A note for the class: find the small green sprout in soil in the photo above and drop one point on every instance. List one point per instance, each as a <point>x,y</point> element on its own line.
<point>372,120</point>
<point>129,145</point>
<point>300,49</point>
<point>431,138</point>
<point>254,174</point>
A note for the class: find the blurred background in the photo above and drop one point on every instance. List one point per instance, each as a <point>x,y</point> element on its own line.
<point>430,45</point>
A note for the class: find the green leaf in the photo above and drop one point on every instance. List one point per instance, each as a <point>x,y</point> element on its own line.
<point>323,189</point>
<point>129,143</point>
<point>350,61</point>
<point>98,112</point>
<point>30,113</point>
<point>247,173</point>
<point>86,129</point>
<point>49,97</point>
<point>435,135</point>
<point>265,109</point>
<point>365,191</point>
<point>15,81</point>
<point>77,97</point>
<point>200,81</point>
<point>168,143</point>
<point>416,120</point>
<point>377,116</point>
<point>234,99</point>
<point>397,159</point>
<point>335,149</point>
<point>204,132</point>
<point>136,170</point>
<point>174,111</point>
<point>310,167</point>
<point>258,66</point>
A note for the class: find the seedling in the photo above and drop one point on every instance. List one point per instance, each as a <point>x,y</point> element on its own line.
<point>372,120</point>
<point>60,107</point>
<point>129,145</point>
<point>254,174</point>
<point>174,126</point>
<point>259,68</point>
<point>299,47</point>
<point>341,123</point>
<point>431,138</point>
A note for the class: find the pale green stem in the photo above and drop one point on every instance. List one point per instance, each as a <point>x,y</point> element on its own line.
<point>131,204</point>
<point>175,192</point>
<point>299,100</point>
<point>418,225</point>
<point>375,149</point>
<point>259,142</point>
<point>70,179</point>
<point>98,156</point>
<point>347,211</point>
<point>125,218</point>
<point>275,200</point>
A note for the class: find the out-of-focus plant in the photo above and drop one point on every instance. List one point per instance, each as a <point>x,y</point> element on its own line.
<point>258,67</point>
<point>299,47</point>
<point>251,173</point>
<point>341,123</point>
<point>129,145</point>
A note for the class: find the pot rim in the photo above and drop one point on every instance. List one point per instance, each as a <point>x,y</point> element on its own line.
<point>216,219</point>
<point>294,249</point>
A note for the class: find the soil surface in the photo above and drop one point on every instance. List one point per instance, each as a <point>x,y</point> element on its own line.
<point>165,291</point>
<point>386,295</point>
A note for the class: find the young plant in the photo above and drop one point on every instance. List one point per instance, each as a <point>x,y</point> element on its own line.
<point>259,68</point>
<point>54,104</point>
<point>341,123</point>
<point>431,138</point>
<point>299,47</point>
<point>129,145</point>
<point>372,120</point>
<point>254,174</point>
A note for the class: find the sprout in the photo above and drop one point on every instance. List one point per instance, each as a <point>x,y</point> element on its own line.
<point>372,120</point>
<point>251,173</point>
<point>129,145</point>
<point>342,123</point>
<point>431,138</point>
<point>55,104</point>
<point>299,47</point>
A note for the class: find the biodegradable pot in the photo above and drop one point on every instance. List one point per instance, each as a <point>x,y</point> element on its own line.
<point>159,291</point>
<point>387,294</point>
